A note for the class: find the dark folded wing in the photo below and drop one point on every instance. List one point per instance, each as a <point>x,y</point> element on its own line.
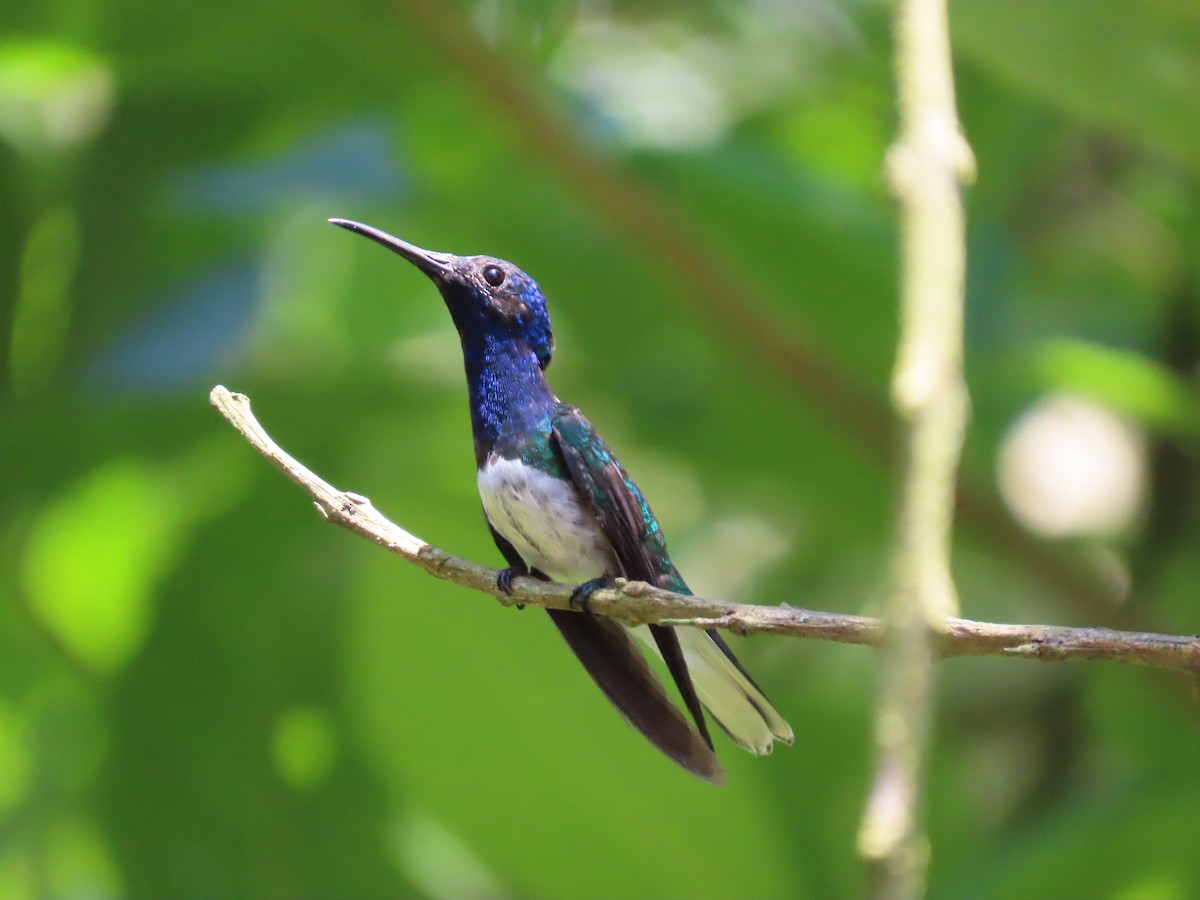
<point>630,526</point>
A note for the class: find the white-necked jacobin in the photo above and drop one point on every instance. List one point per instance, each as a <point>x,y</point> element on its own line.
<point>560,506</point>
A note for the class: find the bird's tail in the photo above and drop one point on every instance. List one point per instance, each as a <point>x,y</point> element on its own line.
<point>622,672</point>
<point>730,694</point>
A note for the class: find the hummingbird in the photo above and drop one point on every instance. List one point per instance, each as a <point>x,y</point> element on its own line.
<point>561,507</point>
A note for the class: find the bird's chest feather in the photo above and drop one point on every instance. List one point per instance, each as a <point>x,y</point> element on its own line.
<point>544,519</point>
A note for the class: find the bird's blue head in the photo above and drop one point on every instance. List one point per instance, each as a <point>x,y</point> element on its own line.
<point>486,296</point>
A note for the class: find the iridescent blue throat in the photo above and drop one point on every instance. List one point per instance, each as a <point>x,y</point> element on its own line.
<point>511,403</point>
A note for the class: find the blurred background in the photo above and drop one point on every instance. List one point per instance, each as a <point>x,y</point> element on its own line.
<point>207,692</point>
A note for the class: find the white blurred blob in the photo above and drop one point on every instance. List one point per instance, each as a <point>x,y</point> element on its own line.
<point>440,863</point>
<point>665,84</point>
<point>656,94</point>
<point>1071,467</point>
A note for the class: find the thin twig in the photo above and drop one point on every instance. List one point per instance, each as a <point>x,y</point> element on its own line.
<point>638,603</point>
<point>929,393</point>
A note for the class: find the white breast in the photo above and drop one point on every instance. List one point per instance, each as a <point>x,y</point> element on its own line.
<point>544,520</point>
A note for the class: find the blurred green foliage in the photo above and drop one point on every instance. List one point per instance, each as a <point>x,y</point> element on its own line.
<point>206,692</point>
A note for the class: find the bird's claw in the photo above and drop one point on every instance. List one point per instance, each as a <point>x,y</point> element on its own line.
<point>504,581</point>
<point>582,594</point>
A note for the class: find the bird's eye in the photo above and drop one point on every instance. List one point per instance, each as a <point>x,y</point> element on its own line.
<point>493,275</point>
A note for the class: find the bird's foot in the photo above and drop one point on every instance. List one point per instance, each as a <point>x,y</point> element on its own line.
<point>583,593</point>
<point>504,581</point>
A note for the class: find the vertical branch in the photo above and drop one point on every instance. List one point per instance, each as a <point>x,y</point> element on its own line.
<point>925,166</point>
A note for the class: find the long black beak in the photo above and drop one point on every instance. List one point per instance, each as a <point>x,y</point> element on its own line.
<point>436,265</point>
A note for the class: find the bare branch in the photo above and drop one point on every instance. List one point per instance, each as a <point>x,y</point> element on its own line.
<point>639,603</point>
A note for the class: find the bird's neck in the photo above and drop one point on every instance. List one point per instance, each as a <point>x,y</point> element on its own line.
<point>510,399</point>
